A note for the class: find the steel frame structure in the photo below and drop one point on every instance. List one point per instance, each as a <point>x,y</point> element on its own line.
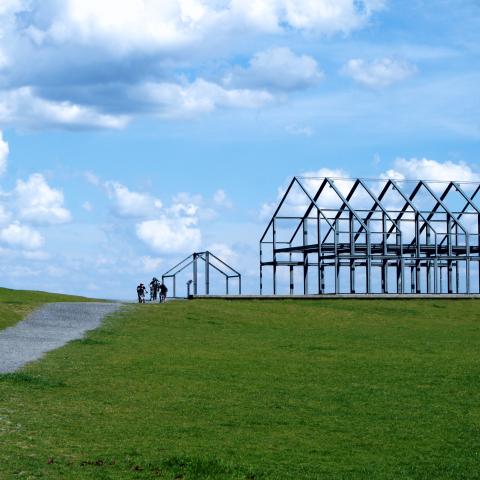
<point>211,261</point>
<point>368,238</point>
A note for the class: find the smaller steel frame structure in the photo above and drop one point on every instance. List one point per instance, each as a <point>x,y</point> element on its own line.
<point>211,261</point>
<point>375,236</point>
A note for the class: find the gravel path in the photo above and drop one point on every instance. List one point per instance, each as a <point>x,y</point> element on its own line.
<point>48,328</point>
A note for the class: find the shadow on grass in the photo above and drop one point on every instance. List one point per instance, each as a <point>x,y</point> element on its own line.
<point>30,380</point>
<point>177,467</point>
<point>204,468</point>
<point>88,341</point>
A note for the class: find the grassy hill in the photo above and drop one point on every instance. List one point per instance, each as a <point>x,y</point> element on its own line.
<point>254,390</point>
<point>16,304</point>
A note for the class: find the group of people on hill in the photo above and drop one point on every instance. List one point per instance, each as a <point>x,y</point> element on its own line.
<point>157,290</point>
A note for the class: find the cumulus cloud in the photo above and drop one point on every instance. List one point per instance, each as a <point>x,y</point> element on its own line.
<point>39,203</point>
<point>324,16</point>
<point>150,264</point>
<point>23,236</point>
<point>5,215</point>
<point>378,73</point>
<point>224,252</point>
<point>170,235</point>
<point>439,173</point>
<point>99,64</point>
<point>220,198</point>
<point>185,203</point>
<point>298,201</point>
<point>21,106</point>
<point>131,204</point>
<point>277,68</point>
<point>171,24</point>
<point>87,206</point>
<point>426,169</point>
<point>198,97</point>
<point>4,150</point>
<point>300,130</point>
<point>92,179</point>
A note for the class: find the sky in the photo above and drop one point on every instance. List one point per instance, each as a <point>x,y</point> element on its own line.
<point>133,133</point>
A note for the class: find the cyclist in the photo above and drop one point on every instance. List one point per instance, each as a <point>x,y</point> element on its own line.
<point>154,286</point>
<point>163,292</point>
<point>141,290</point>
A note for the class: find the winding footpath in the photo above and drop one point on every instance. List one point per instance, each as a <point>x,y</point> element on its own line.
<point>48,328</point>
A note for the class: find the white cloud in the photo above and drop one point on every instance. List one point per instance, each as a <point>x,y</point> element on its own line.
<point>87,206</point>
<point>192,99</point>
<point>185,203</point>
<point>277,68</point>
<point>38,203</point>
<point>84,63</point>
<point>425,169</point>
<point>378,73</point>
<point>151,25</point>
<point>322,16</point>
<point>150,264</point>
<point>22,106</point>
<point>130,24</point>
<point>224,253</point>
<point>131,204</point>
<point>5,215</point>
<point>220,198</point>
<point>4,150</point>
<point>92,179</point>
<point>18,235</point>
<point>37,255</point>
<point>300,130</point>
<point>297,200</point>
<point>170,235</point>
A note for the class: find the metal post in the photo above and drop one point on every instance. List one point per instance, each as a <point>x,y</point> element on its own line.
<point>369,258</point>
<point>351,232</point>
<point>226,288</point>
<point>385,252</point>
<point>418,288</point>
<point>195,275</point>
<point>207,273</point>
<point>261,269</point>
<point>291,273</point>
<point>457,273</point>
<point>467,264</point>
<point>427,242</point>
<point>319,256</point>
<point>336,263</point>
<point>449,261</point>
<point>412,278</point>
<point>274,258</point>
<point>305,257</point>
<point>441,278</point>
<point>400,260</point>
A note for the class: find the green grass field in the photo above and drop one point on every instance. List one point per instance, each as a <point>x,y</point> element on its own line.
<point>338,389</point>
<point>16,304</point>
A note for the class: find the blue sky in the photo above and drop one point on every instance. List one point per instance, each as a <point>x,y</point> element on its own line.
<point>135,133</point>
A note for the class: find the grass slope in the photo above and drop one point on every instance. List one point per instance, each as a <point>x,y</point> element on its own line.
<point>16,304</point>
<point>265,390</point>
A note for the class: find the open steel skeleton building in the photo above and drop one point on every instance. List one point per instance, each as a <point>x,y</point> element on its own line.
<point>210,262</point>
<point>373,236</point>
